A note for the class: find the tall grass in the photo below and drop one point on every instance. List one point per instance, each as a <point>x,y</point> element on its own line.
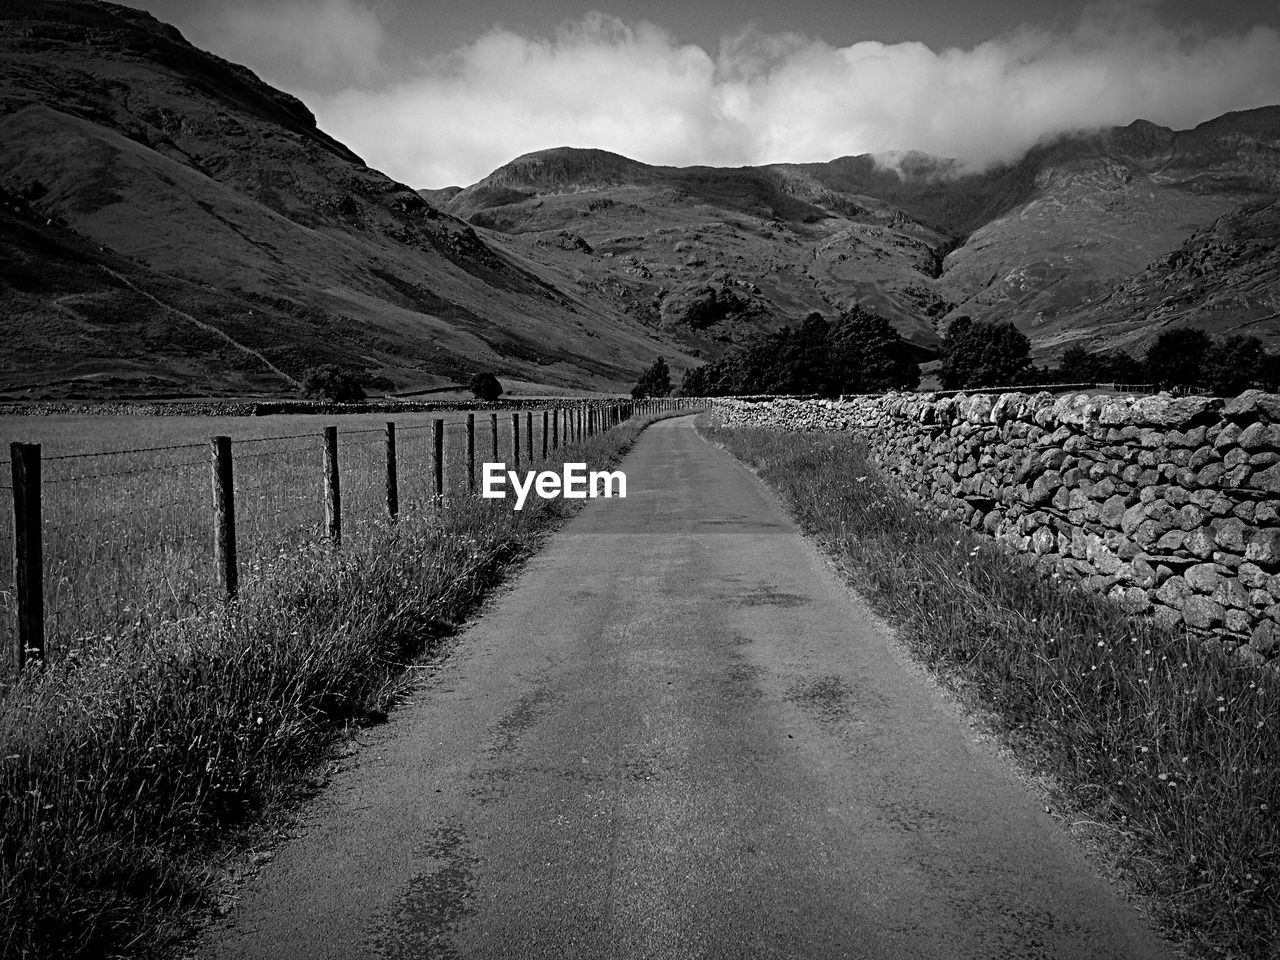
<point>128,535</point>
<point>123,762</point>
<point>1170,745</point>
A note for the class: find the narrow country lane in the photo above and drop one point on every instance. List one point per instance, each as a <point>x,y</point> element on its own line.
<point>678,735</point>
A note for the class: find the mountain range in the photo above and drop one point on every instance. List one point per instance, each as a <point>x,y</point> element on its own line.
<point>172,225</point>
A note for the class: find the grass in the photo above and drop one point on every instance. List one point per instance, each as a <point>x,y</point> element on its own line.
<point>125,761</point>
<point>1170,745</point>
<point>128,536</point>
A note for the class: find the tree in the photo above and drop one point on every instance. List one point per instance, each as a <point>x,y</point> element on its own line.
<point>864,354</point>
<point>1177,357</point>
<point>1078,365</point>
<point>331,382</point>
<point>653,382</point>
<point>485,386</point>
<point>1237,363</point>
<point>982,354</point>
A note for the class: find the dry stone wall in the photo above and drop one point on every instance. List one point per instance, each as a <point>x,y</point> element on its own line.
<point>1169,505</point>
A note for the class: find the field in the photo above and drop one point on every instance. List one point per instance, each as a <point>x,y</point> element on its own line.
<point>128,503</point>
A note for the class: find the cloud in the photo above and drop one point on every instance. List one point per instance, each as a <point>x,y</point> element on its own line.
<point>322,44</point>
<point>632,89</point>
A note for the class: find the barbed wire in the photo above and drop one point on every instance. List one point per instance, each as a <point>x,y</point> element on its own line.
<point>154,468</point>
<point>121,453</point>
<point>287,436</point>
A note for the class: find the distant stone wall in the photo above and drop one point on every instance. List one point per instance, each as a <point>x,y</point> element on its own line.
<point>1171,506</point>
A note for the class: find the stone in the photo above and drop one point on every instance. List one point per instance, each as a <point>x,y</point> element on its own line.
<point>1132,517</point>
<point>1192,516</point>
<point>1043,541</point>
<point>1174,592</point>
<point>1246,511</point>
<point>1251,403</point>
<point>1166,618</point>
<point>1235,456</point>
<point>1227,436</point>
<point>1133,600</point>
<point>1198,543</point>
<point>1043,489</point>
<point>1229,593</point>
<point>1252,576</point>
<point>1264,547</point>
<point>1211,475</point>
<point>1265,637</point>
<point>1142,573</point>
<point>1230,534</point>
<point>1259,436</point>
<point>1202,613</point>
<point>1268,480</point>
<point>1204,577</point>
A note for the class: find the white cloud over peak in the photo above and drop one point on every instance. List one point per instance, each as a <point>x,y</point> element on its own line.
<point>633,89</point>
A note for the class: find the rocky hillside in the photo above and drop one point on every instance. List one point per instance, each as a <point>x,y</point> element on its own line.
<point>708,255</point>
<point>171,224</point>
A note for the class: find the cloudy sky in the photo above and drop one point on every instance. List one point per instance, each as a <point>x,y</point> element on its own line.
<point>439,93</point>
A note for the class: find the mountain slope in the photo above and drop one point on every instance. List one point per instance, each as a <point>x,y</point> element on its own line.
<point>171,224</point>
<point>114,129</point>
<point>710,256</point>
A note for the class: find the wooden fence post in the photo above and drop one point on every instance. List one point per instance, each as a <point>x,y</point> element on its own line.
<point>224,518</point>
<point>493,423</point>
<point>437,455</point>
<point>546,417</point>
<point>28,552</point>
<point>471,453</point>
<point>393,479</point>
<point>528,440</point>
<point>332,487</point>
<point>555,429</point>
<point>515,441</point>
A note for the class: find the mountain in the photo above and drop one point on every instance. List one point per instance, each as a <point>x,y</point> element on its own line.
<point>172,224</point>
<point>710,255</point>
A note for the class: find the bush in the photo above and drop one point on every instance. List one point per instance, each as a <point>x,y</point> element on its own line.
<point>1177,358</point>
<point>983,354</point>
<point>330,382</point>
<point>485,386</point>
<point>859,352</point>
<point>654,382</point>
<point>1238,363</point>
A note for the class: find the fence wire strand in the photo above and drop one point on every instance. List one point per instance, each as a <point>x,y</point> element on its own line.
<point>131,544</point>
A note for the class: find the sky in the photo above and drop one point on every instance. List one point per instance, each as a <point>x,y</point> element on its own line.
<point>442,93</point>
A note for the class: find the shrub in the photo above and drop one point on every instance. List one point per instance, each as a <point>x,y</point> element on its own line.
<point>331,382</point>
<point>1176,359</point>
<point>859,352</point>
<point>654,382</point>
<point>984,354</point>
<point>485,386</point>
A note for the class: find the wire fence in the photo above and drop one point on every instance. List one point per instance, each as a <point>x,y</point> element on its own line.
<point>127,539</point>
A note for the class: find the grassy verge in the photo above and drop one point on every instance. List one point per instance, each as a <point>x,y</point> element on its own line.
<point>1171,746</point>
<point>123,765</point>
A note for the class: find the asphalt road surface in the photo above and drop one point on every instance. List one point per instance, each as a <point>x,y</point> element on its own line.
<point>678,735</point>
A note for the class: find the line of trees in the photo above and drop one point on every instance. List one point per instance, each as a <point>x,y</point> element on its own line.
<point>858,352</point>
<point>988,354</point>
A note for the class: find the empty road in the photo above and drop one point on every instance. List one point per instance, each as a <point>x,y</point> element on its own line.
<point>678,734</point>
